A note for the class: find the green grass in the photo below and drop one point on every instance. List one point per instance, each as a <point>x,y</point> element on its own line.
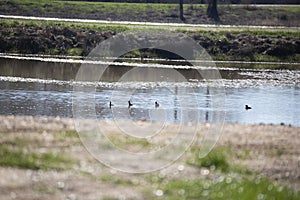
<point>127,142</point>
<point>79,7</point>
<point>45,161</point>
<point>291,9</point>
<point>66,135</point>
<point>219,35</point>
<point>144,11</point>
<point>75,51</point>
<point>217,159</point>
<point>226,187</point>
<point>265,32</point>
<point>8,23</point>
<point>19,142</point>
<point>220,158</point>
<point>116,180</point>
<point>19,152</point>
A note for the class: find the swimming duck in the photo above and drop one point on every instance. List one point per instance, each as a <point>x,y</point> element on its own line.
<point>247,107</point>
<point>110,104</point>
<point>129,104</point>
<point>156,104</point>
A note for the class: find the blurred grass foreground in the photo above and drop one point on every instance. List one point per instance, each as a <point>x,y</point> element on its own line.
<point>44,158</point>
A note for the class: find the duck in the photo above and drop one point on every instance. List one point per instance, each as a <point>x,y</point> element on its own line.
<point>110,104</point>
<point>247,107</point>
<point>156,104</point>
<point>129,104</point>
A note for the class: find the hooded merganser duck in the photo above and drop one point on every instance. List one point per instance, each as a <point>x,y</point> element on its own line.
<point>129,104</point>
<point>156,104</point>
<point>247,107</point>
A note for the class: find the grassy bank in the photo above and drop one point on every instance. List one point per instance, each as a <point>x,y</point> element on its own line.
<point>193,13</point>
<point>228,188</point>
<point>78,39</point>
<point>50,162</point>
<point>23,152</point>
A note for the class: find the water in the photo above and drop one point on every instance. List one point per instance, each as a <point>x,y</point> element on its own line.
<point>273,99</point>
<point>269,105</point>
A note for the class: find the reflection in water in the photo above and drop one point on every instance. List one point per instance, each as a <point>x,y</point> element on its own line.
<point>37,69</point>
<point>175,99</point>
<point>207,104</point>
<point>68,71</point>
<point>269,104</point>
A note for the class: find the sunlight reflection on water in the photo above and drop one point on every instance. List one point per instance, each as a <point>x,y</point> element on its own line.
<point>269,104</point>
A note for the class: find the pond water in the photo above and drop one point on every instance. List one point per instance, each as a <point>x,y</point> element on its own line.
<point>46,88</point>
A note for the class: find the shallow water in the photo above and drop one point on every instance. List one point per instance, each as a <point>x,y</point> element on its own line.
<point>273,95</point>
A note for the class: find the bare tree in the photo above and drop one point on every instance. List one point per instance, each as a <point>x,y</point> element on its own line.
<point>212,10</point>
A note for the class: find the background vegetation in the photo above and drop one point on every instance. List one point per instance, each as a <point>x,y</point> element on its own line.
<point>193,13</point>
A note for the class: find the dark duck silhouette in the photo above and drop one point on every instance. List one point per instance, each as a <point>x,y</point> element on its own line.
<point>110,104</point>
<point>156,104</point>
<point>247,107</point>
<point>129,104</point>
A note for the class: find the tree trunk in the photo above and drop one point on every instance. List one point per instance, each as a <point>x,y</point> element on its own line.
<point>181,10</point>
<point>212,11</point>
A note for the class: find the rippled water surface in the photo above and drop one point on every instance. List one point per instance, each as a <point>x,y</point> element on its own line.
<point>273,95</point>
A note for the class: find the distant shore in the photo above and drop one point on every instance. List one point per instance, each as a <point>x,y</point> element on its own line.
<point>78,39</point>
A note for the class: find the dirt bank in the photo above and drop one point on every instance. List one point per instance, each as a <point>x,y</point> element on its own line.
<point>50,40</point>
<point>266,149</point>
<point>60,40</point>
